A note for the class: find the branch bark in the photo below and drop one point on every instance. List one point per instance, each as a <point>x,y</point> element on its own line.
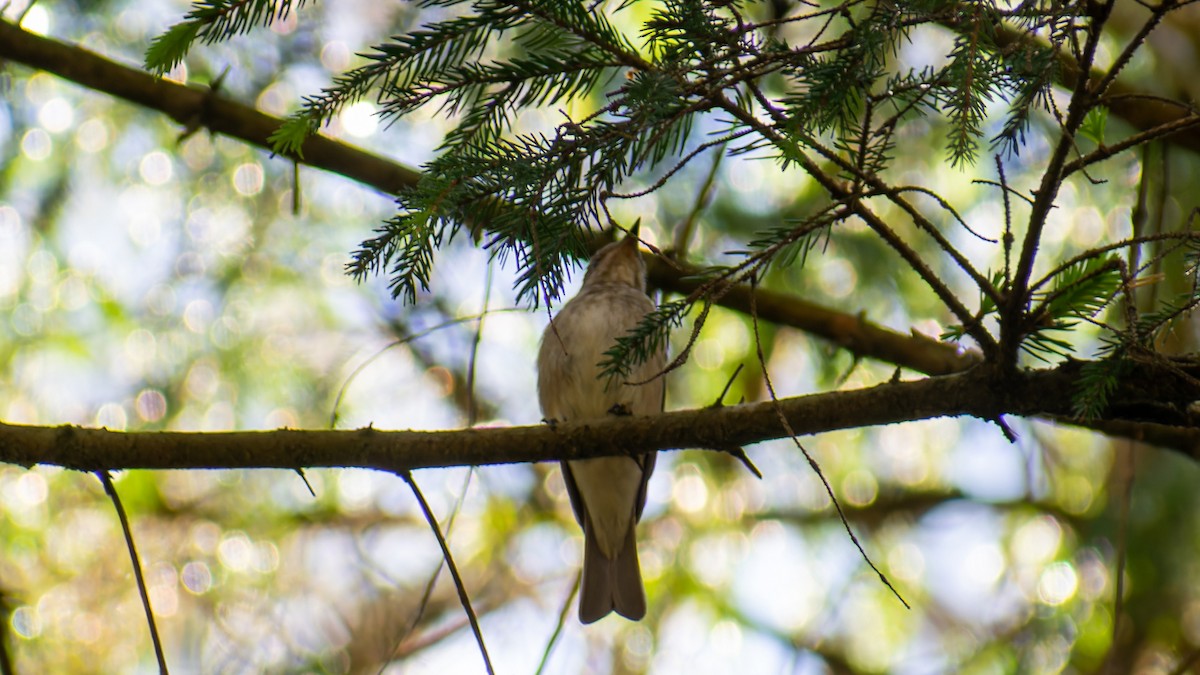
<point>1157,393</point>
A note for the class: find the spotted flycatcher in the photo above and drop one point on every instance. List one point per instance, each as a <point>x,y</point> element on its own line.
<point>607,493</point>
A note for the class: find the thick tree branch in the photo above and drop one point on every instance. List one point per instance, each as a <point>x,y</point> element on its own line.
<point>190,106</point>
<point>1156,392</point>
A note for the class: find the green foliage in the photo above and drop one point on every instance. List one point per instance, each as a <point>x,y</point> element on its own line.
<point>836,96</point>
<point>169,49</point>
<point>1099,379</point>
<point>829,90</point>
<point>1080,290</point>
<point>1151,325</point>
<point>1097,382</point>
<point>974,81</point>
<point>404,245</point>
<point>1030,75</point>
<point>566,52</point>
<point>1094,124</point>
<point>784,246</point>
<point>1031,68</point>
<point>212,21</point>
<point>645,339</point>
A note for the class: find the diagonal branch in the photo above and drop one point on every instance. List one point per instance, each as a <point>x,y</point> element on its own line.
<point>192,105</point>
<point>185,104</point>
<point>459,585</point>
<point>1141,138</point>
<point>189,105</point>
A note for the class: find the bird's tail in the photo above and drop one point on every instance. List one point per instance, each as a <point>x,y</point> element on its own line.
<point>610,585</point>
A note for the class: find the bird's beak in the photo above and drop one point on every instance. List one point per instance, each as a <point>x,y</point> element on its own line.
<point>631,239</point>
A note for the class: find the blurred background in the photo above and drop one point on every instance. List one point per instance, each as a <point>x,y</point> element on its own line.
<point>149,283</point>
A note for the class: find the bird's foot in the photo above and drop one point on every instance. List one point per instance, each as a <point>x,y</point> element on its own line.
<point>621,410</point>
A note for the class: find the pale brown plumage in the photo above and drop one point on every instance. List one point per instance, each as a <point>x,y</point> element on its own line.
<point>607,493</point>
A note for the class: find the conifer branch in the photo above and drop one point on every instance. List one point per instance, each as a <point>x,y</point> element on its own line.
<point>838,191</point>
<point>1014,319</point>
<point>182,102</point>
<point>724,71</point>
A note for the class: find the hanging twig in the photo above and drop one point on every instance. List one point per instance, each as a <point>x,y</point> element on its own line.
<point>446,555</point>
<point>562,621</point>
<point>111,489</point>
<point>811,462</point>
<point>472,409</point>
<point>437,571</point>
<point>1122,545</point>
<point>337,402</point>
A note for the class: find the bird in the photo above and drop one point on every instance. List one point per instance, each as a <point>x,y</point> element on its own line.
<point>607,493</point>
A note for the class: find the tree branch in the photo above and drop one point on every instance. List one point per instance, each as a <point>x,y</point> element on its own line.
<point>188,105</point>
<point>1139,109</point>
<point>1157,392</point>
<point>852,332</point>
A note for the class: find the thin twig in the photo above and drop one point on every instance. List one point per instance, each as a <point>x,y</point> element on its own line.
<point>25,12</point>
<point>720,402</point>
<point>111,489</point>
<point>472,412</point>
<point>1122,545</point>
<point>738,452</point>
<point>1180,237</point>
<point>703,147</point>
<point>304,477</point>
<point>1142,137</point>
<point>684,233</point>
<point>449,558</point>
<point>337,402</point>
<point>562,621</point>
<point>946,206</point>
<point>811,462</point>
<point>437,572</point>
<point>740,455</point>
<point>1008,235</point>
<point>1007,190</point>
<point>1135,43</point>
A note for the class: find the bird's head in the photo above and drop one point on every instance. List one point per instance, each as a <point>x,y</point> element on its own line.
<point>618,263</point>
